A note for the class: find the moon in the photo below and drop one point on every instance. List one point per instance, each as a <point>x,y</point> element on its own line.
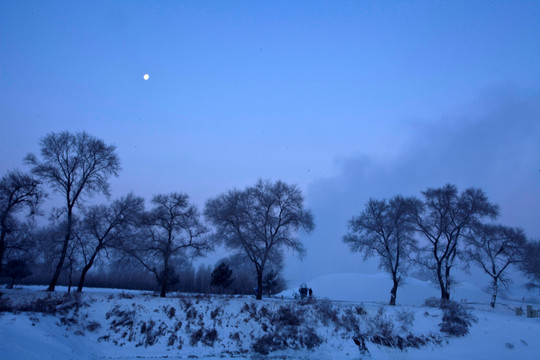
<point>146,77</point>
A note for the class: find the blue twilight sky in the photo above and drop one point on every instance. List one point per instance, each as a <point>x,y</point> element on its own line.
<point>348,99</point>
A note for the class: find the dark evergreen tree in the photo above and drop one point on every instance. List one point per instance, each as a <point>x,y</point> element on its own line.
<point>15,270</point>
<point>222,276</point>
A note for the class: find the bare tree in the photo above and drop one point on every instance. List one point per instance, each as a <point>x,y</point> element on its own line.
<point>444,218</point>
<point>74,165</point>
<point>17,192</point>
<point>104,227</point>
<point>385,229</point>
<point>260,221</point>
<point>170,229</point>
<point>494,248</point>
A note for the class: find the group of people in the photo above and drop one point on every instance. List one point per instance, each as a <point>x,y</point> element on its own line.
<point>305,291</point>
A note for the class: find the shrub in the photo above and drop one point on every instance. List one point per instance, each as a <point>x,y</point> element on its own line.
<point>264,344</point>
<point>210,337</point>
<point>6,305</point>
<point>216,312</point>
<point>326,311</point>
<point>433,302</point>
<point>310,339</point>
<point>195,337</point>
<point>349,320</point>
<point>456,318</point>
<point>405,319</point>
<point>381,325</point>
<point>92,326</point>
<point>170,311</point>
<point>287,316</point>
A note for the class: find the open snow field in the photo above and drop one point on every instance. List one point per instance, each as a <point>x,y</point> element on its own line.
<point>116,324</point>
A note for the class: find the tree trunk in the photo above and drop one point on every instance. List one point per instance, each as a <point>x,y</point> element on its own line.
<point>259,284</point>
<point>2,248</point>
<point>495,290</point>
<point>83,275</point>
<point>442,285</point>
<point>60,265</point>
<point>393,292</point>
<point>85,270</point>
<point>164,279</point>
<point>447,283</point>
<point>70,276</point>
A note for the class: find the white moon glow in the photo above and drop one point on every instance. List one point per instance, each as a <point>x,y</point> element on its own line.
<point>146,77</point>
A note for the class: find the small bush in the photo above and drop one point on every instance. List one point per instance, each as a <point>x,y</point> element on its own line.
<point>310,339</point>
<point>349,320</point>
<point>456,318</point>
<point>381,325</point>
<point>326,311</point>
<point>405,319</point>
<point>195,337</point>
<point>6,305</point>
<point>433,302</point>
<point>216,312</point>
<point>287,316</point>
<point>264,344</point>
<point>170,311</point>
<point>125,295</point>
<point>92,326</point>
<point>152,333</point>
<point>191,313</point>
<point>210,337</point>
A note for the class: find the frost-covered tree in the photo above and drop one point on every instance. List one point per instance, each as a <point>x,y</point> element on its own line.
<point>444,218</point>
<point>494,248</point>
<point>261,220</point>
<point>385,229</point>
<point>73,165</point>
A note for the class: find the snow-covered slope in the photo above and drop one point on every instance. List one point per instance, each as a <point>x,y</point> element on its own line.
<point>126,325</point>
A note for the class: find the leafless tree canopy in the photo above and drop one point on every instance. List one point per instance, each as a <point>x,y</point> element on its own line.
<point>170,229</point>
<point>74,165</point>
<point>17,191</point>
<point>104,227</point>
<point>494,248</point>
<point>443,219</point>
<point>385,229</point>
<point>260,220</point>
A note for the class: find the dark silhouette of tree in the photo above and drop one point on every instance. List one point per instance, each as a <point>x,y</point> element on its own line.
<point>17,269</point>
<point>222,276</point>
<point>260,220</point>
<point>494,248</point>
<point>104,227</point>
<point>385,229</point>
<point>443,218</point>
<point>17,192</point>
<point>530,264</point>
<point>74,165</point>
<point>273,283</point>
<point>170,230</point>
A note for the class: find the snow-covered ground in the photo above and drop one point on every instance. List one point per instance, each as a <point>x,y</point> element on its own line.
<point>116,324</point>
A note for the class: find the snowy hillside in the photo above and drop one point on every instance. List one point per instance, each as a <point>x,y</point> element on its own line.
<point>115,324</point>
